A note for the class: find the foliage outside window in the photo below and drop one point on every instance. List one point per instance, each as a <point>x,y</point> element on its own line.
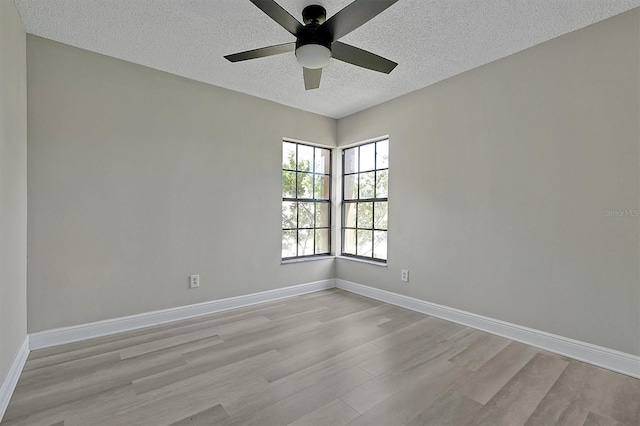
<point>306,200</point>
<point>365,188</point>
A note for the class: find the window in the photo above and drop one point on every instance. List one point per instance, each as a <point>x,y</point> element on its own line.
<point>306,200</point>
<point>365,184</point>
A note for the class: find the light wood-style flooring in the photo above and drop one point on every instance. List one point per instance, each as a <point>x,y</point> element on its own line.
<point>326,358</point>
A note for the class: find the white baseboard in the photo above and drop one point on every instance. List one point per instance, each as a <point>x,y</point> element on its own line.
<point>597,355</point>
<point>10,380</point>
<point>58,336</point>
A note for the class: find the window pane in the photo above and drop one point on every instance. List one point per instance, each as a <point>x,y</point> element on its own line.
<point>306,213</point>
<point>367,185</point>
<point>322,215</point>
<point>289,243</point>
<point>305,185</point>
<point>323,161</point>
<point>305,242</point>
<point>367,157</point>
<point>365,215</point>
<point>349,241</point>
<point>380,244</point>
<point>350,215</point>
<point>380,216</point>
<point>322,241</point>
<point>289,184</point>
<point>350,187</point>
<point>382,155</point>
<point>305,158</point>
<point>322,183</point>
<point>365,243</point>
<point>351,160</point>
<point>288,155</point>
<point>382,184</point>
<point>289,218</point>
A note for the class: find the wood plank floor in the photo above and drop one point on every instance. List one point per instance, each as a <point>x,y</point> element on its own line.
<point>327,358</point>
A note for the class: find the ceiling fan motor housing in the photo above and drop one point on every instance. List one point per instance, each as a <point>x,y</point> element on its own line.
<point>312,33</point>
<point>313,42</point>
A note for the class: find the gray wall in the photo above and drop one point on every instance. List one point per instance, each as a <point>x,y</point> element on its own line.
<point>499,182</point>
<point>139,178</point>
<point>13,185</point>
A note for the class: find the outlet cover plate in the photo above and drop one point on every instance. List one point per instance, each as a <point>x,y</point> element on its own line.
<point>194,281</point>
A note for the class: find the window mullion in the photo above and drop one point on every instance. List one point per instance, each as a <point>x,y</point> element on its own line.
<point>297,204</point>
<point>313,197</point>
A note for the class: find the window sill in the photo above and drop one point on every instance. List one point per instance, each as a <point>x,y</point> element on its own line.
<point>306,259</point>
<point>356,259</point>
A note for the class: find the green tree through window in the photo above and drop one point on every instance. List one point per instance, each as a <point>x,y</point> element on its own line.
<point>365,190</point>
<point>306,201</point>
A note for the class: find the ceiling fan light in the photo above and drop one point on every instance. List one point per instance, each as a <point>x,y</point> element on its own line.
<point>313,56</point>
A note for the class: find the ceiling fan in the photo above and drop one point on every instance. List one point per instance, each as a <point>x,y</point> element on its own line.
<point>316,40</point>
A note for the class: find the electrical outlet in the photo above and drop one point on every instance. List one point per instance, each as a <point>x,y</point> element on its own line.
<point>404,275</point>
<point>194,281</point>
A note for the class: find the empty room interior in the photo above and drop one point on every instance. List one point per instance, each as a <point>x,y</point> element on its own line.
<point>319,212</point>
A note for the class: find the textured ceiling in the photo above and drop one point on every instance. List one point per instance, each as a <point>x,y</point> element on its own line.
<point>430,39</point>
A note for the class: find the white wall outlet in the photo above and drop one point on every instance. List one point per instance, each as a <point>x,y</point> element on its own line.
<point>404,275</point>
<point>194,281</point>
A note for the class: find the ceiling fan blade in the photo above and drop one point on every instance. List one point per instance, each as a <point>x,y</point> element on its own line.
<point>262,52</point>
<point>354,15</point>
<point>312,78</point>
<point>362,58</point>
<point>278,14</point>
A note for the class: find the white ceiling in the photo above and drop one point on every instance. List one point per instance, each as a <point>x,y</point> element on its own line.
<point>430,39</point>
